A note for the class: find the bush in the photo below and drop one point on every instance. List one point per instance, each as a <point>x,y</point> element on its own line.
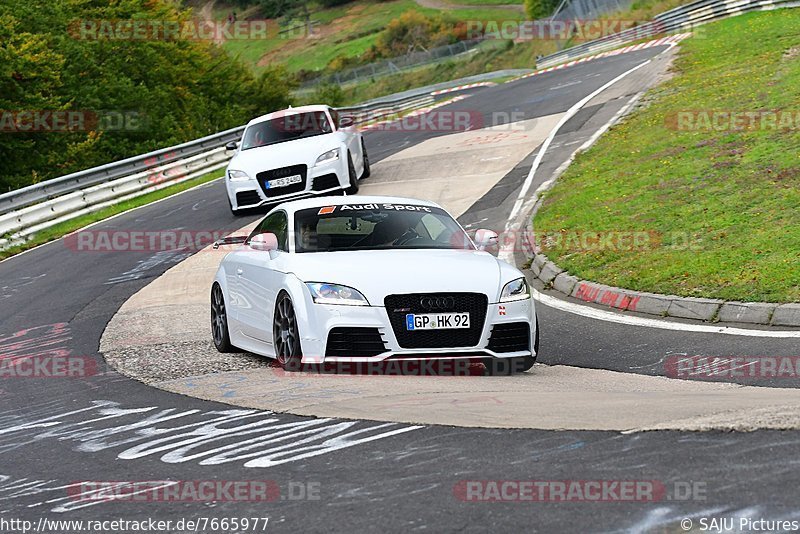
<point>414,31</point>
<point>539,9</point>
<point>330,94</point>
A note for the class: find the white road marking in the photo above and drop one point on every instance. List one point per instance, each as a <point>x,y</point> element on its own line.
<point>614,317</point>
<point>568,115</point>
<point>568,84</point>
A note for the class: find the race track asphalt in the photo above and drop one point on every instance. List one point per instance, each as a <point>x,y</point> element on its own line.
<point>404,478</point>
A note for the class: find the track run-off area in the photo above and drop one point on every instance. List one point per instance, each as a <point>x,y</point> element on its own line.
<point>601,404</point>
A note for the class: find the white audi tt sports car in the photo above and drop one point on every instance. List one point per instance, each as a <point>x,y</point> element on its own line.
<point>366,279</point>
<point>294,153</point>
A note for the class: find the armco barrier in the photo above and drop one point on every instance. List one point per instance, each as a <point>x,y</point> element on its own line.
<point>28,210</point>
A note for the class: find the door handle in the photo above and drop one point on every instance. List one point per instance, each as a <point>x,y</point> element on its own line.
<point>239,271</point>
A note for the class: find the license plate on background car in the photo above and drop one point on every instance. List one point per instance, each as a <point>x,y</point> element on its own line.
<point>283,182</point>
<point>436,321</point>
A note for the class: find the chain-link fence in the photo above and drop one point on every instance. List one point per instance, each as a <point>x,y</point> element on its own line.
<point>583,10</point>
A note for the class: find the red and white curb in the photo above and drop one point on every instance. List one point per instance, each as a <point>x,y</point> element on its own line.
<point>672,39</point>
<point>463,87</point>
<point>416,112</point>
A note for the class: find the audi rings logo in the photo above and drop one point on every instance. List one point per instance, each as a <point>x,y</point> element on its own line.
<point>437,303</point>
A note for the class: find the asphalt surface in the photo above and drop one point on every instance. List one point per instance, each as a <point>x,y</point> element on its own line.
<point>403,478</point>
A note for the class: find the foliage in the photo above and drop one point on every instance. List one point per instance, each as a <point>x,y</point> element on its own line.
<point>539,9</point>
<point>330,94</point>
<point>179,89</point>
<point>414,31</point>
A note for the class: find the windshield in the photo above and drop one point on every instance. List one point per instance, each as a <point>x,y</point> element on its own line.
<point>377,226</point>
<point>286,128</point>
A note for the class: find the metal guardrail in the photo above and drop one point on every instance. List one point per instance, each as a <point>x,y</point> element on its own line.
<point>28,210</point>
<point>675,20</point>
<point>15,200</point>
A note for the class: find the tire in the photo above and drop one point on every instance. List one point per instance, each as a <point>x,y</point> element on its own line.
<point>367,169</point>
<point>351,169</point>
<point>219,321</point>
<point>510,366</point>
<point>286,336</point>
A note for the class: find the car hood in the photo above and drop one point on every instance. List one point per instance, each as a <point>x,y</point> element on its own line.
<point>378,273</point>
<point>307,150</point>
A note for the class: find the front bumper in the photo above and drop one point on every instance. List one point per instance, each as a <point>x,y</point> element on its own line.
<point>322,180</point>
<point>325,318</point>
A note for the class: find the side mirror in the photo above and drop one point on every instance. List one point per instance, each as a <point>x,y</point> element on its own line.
<point>485,239</point>
<point>266,242</point>
<point>233,145</point>
<point>346,122</point>
<point>229,240</point>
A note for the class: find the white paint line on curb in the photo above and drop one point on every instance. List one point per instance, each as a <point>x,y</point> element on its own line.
<point>613,317</point>
<point>463,87</point>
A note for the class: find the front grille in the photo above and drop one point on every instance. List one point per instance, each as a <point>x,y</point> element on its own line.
<point>510,337</point>
<point>397,306</point>
<point>283,172</point>
<point>247,198</point>
<point>354,342</point>
<point>325,182</point>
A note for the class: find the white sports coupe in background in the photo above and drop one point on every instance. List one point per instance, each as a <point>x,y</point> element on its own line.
<point>294,153</point>
<point>366,278</point>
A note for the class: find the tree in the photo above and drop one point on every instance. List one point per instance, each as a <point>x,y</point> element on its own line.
<point>176,89</point>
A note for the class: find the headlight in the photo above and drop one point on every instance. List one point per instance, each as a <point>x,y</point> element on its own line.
<point>237,176</point>
<point>336,294</point>
<point>328,157</point>
<point>515,290</point>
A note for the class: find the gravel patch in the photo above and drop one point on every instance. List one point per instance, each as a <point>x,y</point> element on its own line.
<point>168,361</point>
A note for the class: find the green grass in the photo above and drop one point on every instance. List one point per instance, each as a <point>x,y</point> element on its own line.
<point>347,31</point>
<point>67,227</point>
<point>734,195</point>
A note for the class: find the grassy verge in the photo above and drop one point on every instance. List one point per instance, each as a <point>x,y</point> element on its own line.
<point>720,206</point>
<point>505,55</point>
<point>66,227</point>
